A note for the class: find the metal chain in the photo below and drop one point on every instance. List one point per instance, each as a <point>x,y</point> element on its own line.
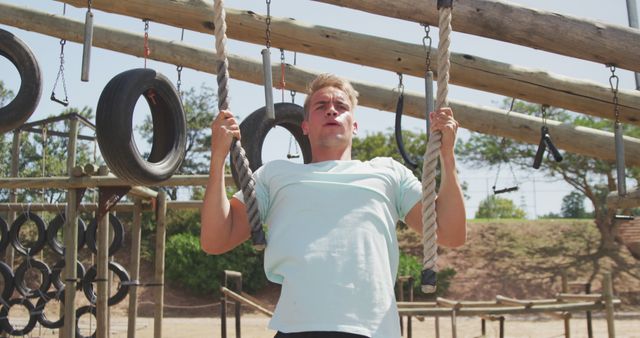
<point>400,84</point>
<point>282,83</point>
<point>88,5</point>
<point>268,21</point>
<point>61,76</point>
<point>293,92</point>
<point>613,82</point>
<point>426,43</point>
<point>147,51</point>
<point>543,110</point>
<point>179,69</point>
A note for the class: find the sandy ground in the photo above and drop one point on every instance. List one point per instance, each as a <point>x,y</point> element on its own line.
<point>255,326</point>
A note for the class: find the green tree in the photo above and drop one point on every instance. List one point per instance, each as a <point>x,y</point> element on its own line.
<point>498,207</point>
<point>573,206</point>
<point>591,177</point>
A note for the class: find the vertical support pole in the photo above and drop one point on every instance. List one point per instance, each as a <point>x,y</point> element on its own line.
<point>238,305</point>
<point>401,299</point>
<point>454,324</point>
<point>483,326</point>
<point>268,83</point>
<point>13,198</point>
<point>437,323</point>
<point>565,289</point>
<point>632,12</point>
<point>136,236</point>
<point>86,50</point>
<point>501,326</point>
<point>161,232</point>
<point>102,305</point>
<point>70,238</point>
<point>223,316</point>
<point>587,290</point>
<point>409,326</point>
<point>607,293</point>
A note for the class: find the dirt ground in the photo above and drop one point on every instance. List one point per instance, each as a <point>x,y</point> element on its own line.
<point>627,325</point>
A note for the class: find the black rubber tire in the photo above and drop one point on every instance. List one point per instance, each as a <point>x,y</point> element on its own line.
<point>15,232</point>
<point>255,127</point>
<point>123,288</point>
<point>4,317</point>
<point>7,275</point>
<point>118,235</point>
<point>26,100</point>
<point>42,303</point>
<point>114,126</point>
<point>52,233</point>
<point>82,311</point>
<point>56,270</point>
<point>4,235</point>
<point>21,285</point>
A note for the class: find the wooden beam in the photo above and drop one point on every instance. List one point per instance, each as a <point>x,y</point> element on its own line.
<point>630,200</point>
<point>61,182</point>
<point>552,32</point>
<point>520,127</point>
<point>467,70</point>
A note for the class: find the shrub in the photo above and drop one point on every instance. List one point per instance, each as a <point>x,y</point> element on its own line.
<point>188,266</point>
<point>411,266</point>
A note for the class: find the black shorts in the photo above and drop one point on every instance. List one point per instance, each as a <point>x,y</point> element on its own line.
<point>318,334</point>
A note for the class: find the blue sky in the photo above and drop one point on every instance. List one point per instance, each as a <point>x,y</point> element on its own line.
<point>537,198</point>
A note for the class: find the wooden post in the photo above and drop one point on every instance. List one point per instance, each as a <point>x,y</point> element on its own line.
<point>607,292</point>
<point>70,238</point>
<point>102,262</point>
<point>13,198</point>
<point>134,266</point>
<point>161,213</point>
<point>565,289</point>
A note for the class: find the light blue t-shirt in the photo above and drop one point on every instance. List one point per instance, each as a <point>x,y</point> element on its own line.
<point>331,242</point>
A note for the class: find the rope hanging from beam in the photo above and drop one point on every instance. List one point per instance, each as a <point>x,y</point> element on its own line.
<point>238,155</point>
<point>429,226</point>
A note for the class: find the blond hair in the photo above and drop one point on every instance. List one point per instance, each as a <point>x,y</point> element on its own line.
<point>330,80</point>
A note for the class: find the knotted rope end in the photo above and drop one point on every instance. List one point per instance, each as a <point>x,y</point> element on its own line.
<point>428,281</point>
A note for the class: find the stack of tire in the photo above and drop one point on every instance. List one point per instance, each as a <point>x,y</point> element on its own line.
<point>51,285</point>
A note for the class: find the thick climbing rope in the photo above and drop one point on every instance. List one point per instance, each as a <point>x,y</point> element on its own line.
<point>238,156</point>
<point>432,153</point>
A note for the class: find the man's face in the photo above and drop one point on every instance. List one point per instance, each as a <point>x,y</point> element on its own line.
<point>330,122</point>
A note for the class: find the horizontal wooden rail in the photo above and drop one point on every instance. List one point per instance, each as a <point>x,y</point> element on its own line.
<point>246,301</point>
<point>520,127</point>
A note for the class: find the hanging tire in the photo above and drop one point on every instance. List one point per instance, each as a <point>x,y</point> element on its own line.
<point>7,276</point>
<point>21,284</point>
<point>42,303</point>
<point>52,233</point>
<point>114,126</point>
<point>118,235</point>
<point>4,235</point>
<point>255,127</point>
<point>26,100</point>
<point>123,288</point>
<point>87,309</point>
<point>56,271</point>
<point>4,317</point>
<point>14,234</point>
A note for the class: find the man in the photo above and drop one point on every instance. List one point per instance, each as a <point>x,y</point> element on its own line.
<point>331,240</point>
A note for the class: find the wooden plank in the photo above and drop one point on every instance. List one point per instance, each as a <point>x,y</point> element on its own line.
<point>520,127</point>
<point>506,21</point>
<point>630,200</point>
<point>471,71</point>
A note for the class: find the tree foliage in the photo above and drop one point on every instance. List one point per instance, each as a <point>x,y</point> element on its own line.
<point>499,207</point>
<point>593,178</point>
<point>573,206</point>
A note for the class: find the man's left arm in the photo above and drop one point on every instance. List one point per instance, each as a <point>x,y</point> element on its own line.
<point>451,215</point>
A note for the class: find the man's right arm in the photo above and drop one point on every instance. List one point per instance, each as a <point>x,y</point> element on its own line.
<point>224,223</point>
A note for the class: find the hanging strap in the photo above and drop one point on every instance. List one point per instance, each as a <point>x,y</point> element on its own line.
<point>238,154</point>
<point>432,153</point>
